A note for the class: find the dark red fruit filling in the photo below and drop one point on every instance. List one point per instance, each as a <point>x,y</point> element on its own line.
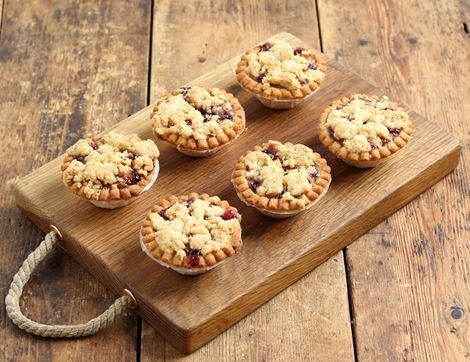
<point>193,257</point>
<point>265,47</point>
<point>315,172</point>
<point>188,122</point>
<point>162,213</point>
<point>273,152</point>
<point>254,184</point>
<point>229,214</point>
<point>260,77</point>
<point>395,132</point>
<point>131,155</point>
<point>185,92</point>
<point>130,178</point>
<point>298,50</point>
<point>332,135</point>
<point>312,65</point>
<point>95,144</point>
<point>80,159</point>
<point>223,114</point>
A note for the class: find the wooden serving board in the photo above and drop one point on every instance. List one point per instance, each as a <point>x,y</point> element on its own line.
<point>190,311</point>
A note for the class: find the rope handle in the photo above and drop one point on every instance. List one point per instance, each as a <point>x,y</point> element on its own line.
<point>12,300</point>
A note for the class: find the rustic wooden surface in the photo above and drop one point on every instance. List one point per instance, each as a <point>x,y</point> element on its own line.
<point>414,322</point>
<point>314,309</point>
<point>409,276</point>
<point>67,68</point>
<point>166,300</point>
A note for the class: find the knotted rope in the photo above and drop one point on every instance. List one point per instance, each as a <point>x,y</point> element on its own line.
<point>20,279</point>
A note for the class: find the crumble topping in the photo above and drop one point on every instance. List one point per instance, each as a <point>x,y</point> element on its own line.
<point>194,227</point>
<point>280,64</point>
<point>365,123</point>
<point>111,162</point>
<point>281,171</point>
<point>195,112</point>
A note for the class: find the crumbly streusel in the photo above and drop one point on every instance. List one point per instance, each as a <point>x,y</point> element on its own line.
<point>279,64</point>
<point>194,227</point>
<point>281,171</point>
<point>195,112</point>
<point>113,161</point>
<point>365,123</point>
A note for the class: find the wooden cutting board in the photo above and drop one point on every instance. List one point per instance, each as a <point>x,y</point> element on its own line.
<point>190,311</point>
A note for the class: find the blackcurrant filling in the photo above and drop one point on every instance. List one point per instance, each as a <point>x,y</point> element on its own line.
<point>132,155</point>
<point>332,135</point>
<point>315,173</point>
<point>185,92</point>
<point>265,47</point>
<point>395,132</point>
<point>273,152</point>
<point>229,214</point>
<point>193,256</point>
<point>162,213</point>
<point>312,66</point>
<point>260,77</point>
<point>254,184</point>
<point>221,114</point>
<point>95,144</point>
<point>80,159</point>
<point>298,51</point>
<point>130,178</point>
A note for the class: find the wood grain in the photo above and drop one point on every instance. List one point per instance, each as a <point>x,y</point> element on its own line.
<point>68,68</point>
<point>106,243</point>
<point>409,275</point>
<point>311,318</point>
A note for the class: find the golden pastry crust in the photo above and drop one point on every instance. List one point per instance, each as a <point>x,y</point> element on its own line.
<point>196,118</point>
<point>279,70</point>
<point>363,129</point>
<point>192,231</point>
<point>110,168</point>
<point>281,177</point>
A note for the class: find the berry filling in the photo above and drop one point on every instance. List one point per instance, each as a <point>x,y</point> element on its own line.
<point>131,156</point>
<point>395,132</point>
<point>229,214</point>
<point>130,178</point>
<point>221,114</point>
<point>95,144</point>
<point>254,184</point>
<point>80,159</point>
<point>265,47</point>
<point>162,213</point>
<point>312,65</point>
<point>260,77</point>
<point>298,51</point>
<point>273,152</point>
<point>185,92</point>
<point>314,171</point>
<point>193,257</point>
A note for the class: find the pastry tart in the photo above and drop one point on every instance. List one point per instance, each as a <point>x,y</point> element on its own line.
<point>110,171</point>
<point>191,234</point>
<point>281,180</point>
<point>361,130</point>
<point>279,74</point>
<point>198,121</point>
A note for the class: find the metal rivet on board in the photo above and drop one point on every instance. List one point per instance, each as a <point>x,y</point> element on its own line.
<point>134,303</point>
<point>58,233</point>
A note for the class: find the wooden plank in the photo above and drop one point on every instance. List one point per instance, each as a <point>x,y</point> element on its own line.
<point>105,242</point>
<point>314,312</point>
<point>68,68</point>
<point>409,276</point>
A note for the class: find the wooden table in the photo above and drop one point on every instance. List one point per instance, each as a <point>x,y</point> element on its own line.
<point>70,68</point>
